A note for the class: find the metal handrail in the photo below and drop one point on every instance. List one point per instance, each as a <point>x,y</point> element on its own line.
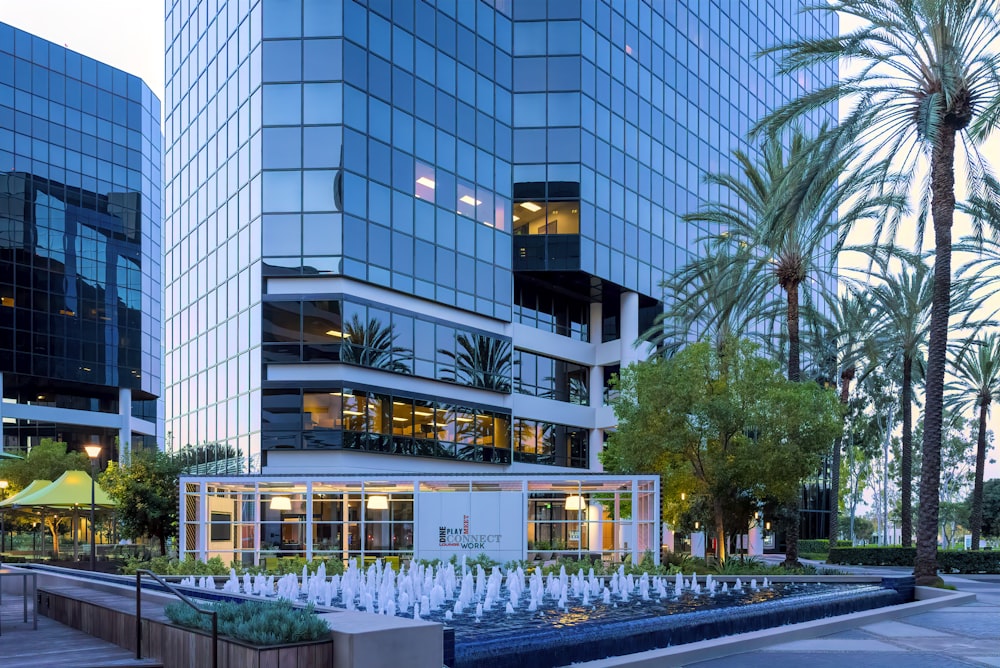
<point>138,613</point>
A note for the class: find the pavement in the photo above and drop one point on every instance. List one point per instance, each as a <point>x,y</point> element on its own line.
<point>961,636</point>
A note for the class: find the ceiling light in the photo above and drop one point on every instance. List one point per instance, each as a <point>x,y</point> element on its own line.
<point>423,413</point>
<point>350,412</point>
<point>425,181</point>
<point>281,503</point>
<point>470,200</point>
<point>378,502</point>
<point>335,333</point>
<point>574,502</point>
<point>516,219</point>
<point>463,419</point>
<point>531,206</point>
<point>397,418</point>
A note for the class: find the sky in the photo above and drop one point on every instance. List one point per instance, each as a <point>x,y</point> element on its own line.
<point>129,35</point>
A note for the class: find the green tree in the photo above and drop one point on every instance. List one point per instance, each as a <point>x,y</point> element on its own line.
<point>926,73</point>
<point>977,373</point>
<point>861,528</point>
<point>46,461</point>
<point>146,492</point>
<point>776,222</point>
<point>991,507</point>
<point>723,425</point>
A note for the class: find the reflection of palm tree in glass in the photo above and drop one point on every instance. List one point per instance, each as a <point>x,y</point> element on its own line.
<point>481,361</point>
<point>373,344</point>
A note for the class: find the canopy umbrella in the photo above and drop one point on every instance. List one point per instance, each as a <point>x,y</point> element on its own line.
<point>70,491</point>
<point>9,455</point>
<point>30,489</point>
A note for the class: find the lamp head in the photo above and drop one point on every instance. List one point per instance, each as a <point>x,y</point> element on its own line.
<point>378,502</point>
<point>4,484</point>
<point>281,503</point>
<point>93,451</point>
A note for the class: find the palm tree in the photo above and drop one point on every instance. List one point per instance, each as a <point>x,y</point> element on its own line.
<point>844,339</point>
<point>709,298</point>
<point>777,227</point>
<point>905,301</point>
<point>926,71</point>
<point>977,369</point>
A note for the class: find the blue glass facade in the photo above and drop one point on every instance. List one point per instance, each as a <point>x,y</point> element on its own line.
<point>460,202</point>
<point>79,246</point>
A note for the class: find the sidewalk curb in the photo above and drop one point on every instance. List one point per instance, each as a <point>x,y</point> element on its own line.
<point>927,599</point>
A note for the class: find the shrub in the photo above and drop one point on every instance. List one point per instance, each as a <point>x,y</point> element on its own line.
<point>171,566</point>
<point>949,561</point>
<point>255,622</point>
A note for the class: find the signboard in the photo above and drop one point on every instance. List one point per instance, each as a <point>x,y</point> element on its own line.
<point>471,523</point>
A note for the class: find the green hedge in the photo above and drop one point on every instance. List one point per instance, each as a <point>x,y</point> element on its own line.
<point>816,546</point>
<point>949,561</point>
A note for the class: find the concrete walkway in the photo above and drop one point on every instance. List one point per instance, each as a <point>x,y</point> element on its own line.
<point>956,637</point>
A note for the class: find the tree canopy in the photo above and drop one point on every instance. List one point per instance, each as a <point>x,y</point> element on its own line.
<point>146,492</point>
<point>46,461</point>
<point>721,424</point>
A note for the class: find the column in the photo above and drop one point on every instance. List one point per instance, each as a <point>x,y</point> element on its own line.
<point>629,327</point>
<point>596,322</point>
<point>595,527</point>
<point>125,430</point>
<point>698,544</point>
<point>755,547</point>
<point>309,520</point>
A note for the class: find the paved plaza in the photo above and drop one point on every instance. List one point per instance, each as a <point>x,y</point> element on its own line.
<point>956,637</point>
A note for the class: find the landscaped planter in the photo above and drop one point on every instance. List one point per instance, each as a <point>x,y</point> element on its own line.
<point>181,647</point>
<point>111,617</point>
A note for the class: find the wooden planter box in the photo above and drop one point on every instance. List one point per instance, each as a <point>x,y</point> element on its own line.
<point>111,617</point>
<point>181,647</point>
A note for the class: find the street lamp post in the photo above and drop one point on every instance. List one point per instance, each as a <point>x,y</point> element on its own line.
<point>93,451</point>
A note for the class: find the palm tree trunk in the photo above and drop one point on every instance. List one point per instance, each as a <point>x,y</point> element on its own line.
<point>976,516</point>
<point>906,457</point>
<point>845,389</point>
<point>943,213</point>
<point>794,364</point>
<point>794,374</point>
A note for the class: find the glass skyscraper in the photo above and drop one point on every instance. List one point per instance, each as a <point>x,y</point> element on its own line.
<point>422,236</point>
<point>79,250</point>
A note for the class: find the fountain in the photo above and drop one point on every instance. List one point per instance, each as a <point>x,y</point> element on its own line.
<point>510,619</point>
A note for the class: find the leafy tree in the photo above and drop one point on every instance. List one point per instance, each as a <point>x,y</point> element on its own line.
<point>977,372</point>
<point>146,491</point>
<point>721,425</point>
<point>991,507</point>
<point>46,461</point>
<point>927,73</point>
<point>776,222</point>
<point>861,528</point>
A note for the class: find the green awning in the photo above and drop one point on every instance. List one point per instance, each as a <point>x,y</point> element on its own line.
<point>69,490</point>
<point>30,489</point>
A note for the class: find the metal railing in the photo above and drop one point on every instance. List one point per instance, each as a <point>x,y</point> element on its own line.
<point>173,590</point>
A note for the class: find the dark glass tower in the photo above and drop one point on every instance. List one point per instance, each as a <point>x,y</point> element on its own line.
<point>79,249</point>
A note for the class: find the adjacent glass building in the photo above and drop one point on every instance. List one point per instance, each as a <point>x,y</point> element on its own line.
<point>417,236</point>
<point>80,188</point>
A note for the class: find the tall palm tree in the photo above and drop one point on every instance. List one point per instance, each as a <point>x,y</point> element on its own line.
<point>777,225</point>
<point>977,369</point>
<point>904,300</point>
<point>844,340</point>
<point>925,72</point>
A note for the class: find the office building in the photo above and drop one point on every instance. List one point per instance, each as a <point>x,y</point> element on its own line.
<point>80,188</point>
<point>417,237</point>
